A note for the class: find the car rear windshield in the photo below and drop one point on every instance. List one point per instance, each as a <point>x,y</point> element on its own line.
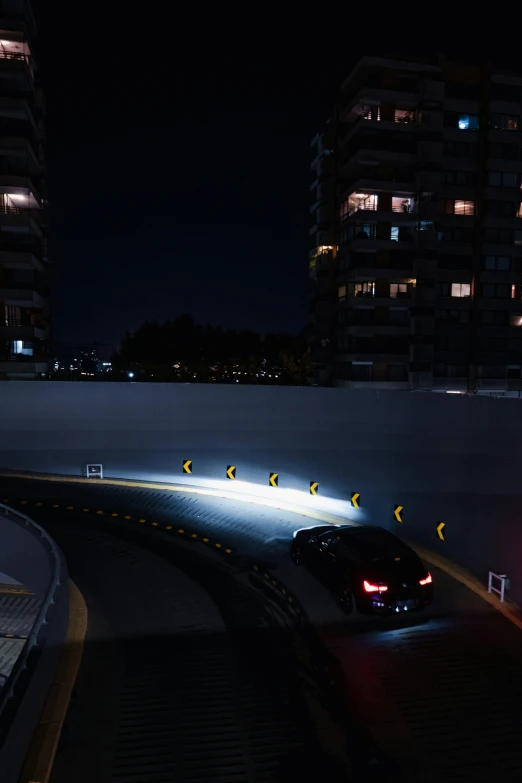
<point>374,544</point>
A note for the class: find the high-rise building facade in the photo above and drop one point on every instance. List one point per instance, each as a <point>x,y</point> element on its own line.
<point>416,242</point>
<point>24,291</point>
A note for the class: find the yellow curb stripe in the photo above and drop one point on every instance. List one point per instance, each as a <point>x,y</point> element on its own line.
<point>189,489</point>
<point>509,609</point>
<point>44,743</point>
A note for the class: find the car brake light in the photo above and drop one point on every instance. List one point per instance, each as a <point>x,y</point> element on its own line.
<point>371,588</point>
<point>427,580</point>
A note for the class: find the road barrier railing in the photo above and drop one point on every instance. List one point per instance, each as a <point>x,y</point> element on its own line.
<point>22,696</point>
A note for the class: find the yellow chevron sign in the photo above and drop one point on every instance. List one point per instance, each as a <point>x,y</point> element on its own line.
<point>273,478</point>
<point>398,513</point>
<point>187,466</point>
<point>231,471</point>
<point>440,530</point>
<point>314,486</point>
<point>355,499</point>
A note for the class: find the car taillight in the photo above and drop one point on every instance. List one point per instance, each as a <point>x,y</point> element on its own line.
<point>427,580</point>
<point>372,588</point>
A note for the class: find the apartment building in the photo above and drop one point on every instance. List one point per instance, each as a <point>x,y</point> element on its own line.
<point>416,243</point>
<point>24,287</point>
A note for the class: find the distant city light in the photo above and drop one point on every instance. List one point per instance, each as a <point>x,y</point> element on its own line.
<point>131,375</point>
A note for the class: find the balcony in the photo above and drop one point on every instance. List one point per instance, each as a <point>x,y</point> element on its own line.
<point>18,191</point>
<point>23,331</point>
<point>20,217</point>
<point>22,298</point>
<point>19,157</point>
<point>17,365</point>
<point>398,151</point>
<point>369,98</point>
<point>383,203</point>
<point>15,56</point>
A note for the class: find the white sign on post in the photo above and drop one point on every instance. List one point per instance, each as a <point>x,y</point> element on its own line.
<point>94,471</point>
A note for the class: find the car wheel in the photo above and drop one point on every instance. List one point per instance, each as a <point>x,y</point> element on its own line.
<point>346,600</point>
<point>297,555</point>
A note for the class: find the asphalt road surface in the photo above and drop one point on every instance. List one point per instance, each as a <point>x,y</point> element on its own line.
<point>440,693</point>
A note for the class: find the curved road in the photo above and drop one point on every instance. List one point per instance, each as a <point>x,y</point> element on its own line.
<point>176,684</point>
<point>441,694</point>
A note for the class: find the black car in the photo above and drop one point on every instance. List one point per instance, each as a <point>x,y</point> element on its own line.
<point>365,566</point>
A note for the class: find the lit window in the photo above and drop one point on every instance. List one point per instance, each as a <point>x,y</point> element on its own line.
<point>358,201</point>
<point>519,211</point>
<point>398,290</point>
<point>404,116</point>
<point>460,207</point>
<point>12,315</point>
<point>364,289</point>
<point>425,225</point>
<point>515,319</point>
<point>341,293</point>
<point>505,122</point>
<point>468,122</point>
<point>402,204</point>
<point>394,236</point>
<point>372,113</point>
<point>461,289</point>
<point>362,231</point>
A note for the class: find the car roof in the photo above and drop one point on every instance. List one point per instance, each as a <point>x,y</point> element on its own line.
<point>372,542</point>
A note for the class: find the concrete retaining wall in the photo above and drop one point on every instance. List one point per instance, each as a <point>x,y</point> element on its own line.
<point>443,457</point>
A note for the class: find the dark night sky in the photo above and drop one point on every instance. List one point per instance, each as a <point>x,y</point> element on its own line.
<point>179,159</point>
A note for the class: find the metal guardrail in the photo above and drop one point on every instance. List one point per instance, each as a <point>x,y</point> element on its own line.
<point>504,585</point>
<point>34,639</point>
<point>406,210</point>
<point>6,209</point>
<point>6,54</point>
